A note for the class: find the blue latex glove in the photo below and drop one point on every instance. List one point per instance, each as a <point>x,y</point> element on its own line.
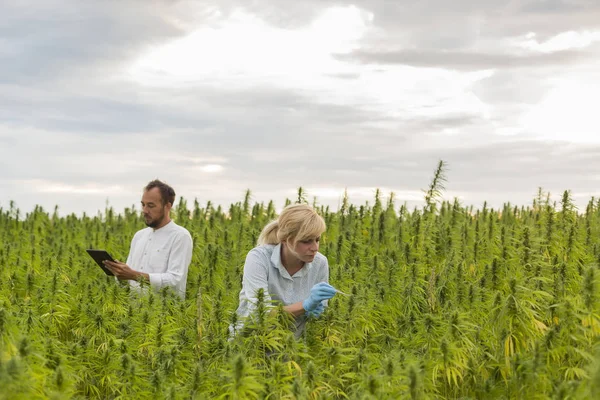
<point>321,291</point>
<point>317,311</point>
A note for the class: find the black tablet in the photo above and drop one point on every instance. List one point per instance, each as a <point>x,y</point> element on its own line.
<point>99,256</point>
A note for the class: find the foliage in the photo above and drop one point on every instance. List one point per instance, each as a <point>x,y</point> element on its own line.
<point>447,302</point>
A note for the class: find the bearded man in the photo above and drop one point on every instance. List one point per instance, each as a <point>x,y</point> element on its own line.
<point>161,253</point>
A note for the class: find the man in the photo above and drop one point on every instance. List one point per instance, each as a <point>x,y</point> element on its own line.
<point>160,254</point>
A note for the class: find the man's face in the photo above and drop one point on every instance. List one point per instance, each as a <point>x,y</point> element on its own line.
<point>306,250</point>
<point>153,209</point>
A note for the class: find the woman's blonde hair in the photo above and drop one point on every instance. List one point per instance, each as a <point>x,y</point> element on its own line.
<point>296,222</point>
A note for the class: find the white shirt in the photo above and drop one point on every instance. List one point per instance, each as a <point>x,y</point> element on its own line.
<point>164,254</point>
<point>263,269</point>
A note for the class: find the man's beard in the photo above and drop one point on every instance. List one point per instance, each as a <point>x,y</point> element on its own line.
<point>151,224</point>
<point>155,222</point>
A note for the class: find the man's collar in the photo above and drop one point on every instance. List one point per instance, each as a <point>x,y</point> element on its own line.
<point>164,226</point>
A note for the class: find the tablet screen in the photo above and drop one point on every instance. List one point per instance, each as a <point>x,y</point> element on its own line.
<point>99,256</point>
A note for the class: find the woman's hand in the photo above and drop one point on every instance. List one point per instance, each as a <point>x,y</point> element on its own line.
<point>319,292</point>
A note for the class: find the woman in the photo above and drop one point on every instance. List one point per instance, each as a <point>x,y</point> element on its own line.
<point>286,264</point>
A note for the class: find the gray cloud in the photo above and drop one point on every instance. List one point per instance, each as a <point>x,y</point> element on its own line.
<point>81,114</point>
<point>511,88</point>
<point>45,41</point>
<point>556,6</point>
<point>457,24</point>
<point>463,60</point>
<point>62,122</point>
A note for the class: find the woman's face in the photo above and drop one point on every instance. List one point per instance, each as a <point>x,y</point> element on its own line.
<point>306,250</point>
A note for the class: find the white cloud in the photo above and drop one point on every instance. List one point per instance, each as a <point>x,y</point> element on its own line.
<point>569,112</point>
<point>244,47</point>
<point>563,41</point>
<point>192,159</point>
<point>360,194</point>
<point>46,186</point>
<point>245,52</point>
<point>211,168</point>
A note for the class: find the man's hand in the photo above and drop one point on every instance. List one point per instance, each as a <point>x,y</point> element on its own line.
<point>123,272</point>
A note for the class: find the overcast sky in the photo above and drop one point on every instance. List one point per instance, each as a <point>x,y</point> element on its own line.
<point>99,97</point>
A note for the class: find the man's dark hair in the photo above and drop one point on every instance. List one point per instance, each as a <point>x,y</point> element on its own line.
<point>167,193</point>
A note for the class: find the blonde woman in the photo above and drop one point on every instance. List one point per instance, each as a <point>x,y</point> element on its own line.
<point>287,265</point>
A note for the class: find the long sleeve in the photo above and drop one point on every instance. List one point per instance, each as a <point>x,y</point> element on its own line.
<point>179,259</point>
<point>132,247</point>
<point>255,277</point>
